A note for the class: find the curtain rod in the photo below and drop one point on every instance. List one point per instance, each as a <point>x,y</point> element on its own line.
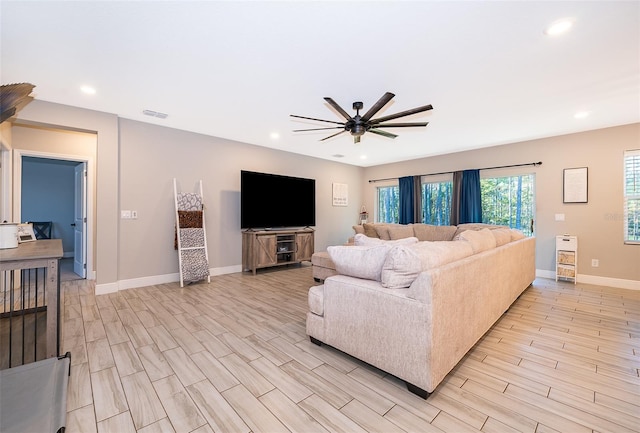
<point>448,172</point>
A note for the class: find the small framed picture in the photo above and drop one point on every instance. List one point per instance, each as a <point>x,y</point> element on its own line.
<point>25,233</point>
<point>575,185</point>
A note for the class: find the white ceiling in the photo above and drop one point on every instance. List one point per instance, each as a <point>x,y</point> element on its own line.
<point>238,69</point>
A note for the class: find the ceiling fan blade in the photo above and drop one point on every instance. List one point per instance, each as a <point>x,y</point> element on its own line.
<point>383,133</point>
<point>317,120</point>
<point>378,106</point>
<point>399,125</point>
<point>331,136</point>
<point>318,129</point>
<point>338,108</point>
<point>402,114</point>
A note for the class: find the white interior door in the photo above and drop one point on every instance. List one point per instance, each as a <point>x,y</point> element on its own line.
<point>80,221</point>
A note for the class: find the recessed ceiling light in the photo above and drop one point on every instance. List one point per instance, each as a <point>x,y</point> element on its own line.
<point>274,135</point>
<point>581,114</point>
<point>559,27</point>
<point>363,156</point>
<point>88,90</point>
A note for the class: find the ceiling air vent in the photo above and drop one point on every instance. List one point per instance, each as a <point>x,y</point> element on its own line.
<point>155,114</point>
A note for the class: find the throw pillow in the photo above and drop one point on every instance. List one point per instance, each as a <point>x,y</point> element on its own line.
<point>401,267</point>
<point>359,261</point>
<point>428,232</point>
<point>370,230</point>
<point>382,230</point>
<point>358,229</point>
<point>400,231</point>
<point>480,240</point>
<point>362,240</point>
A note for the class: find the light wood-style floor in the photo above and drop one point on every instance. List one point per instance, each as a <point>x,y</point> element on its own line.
<point>233,356</point>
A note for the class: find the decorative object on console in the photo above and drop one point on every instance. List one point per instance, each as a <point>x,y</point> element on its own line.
<point>25,233</point>
<point>357,125</point>
<point>364,215</point>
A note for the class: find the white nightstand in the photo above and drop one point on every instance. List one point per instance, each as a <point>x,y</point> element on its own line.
<point>567,257</point>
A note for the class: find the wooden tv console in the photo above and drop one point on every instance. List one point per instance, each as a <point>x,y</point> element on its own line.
<point>267,248</point>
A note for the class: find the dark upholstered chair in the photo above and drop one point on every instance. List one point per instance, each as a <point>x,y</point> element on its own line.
<point>42,230</point>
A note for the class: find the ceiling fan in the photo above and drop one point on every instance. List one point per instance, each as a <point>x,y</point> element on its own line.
<point>357,125</point>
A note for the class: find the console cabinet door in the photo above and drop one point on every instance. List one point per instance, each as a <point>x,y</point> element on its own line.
<point>304,246</point>
<point>265,250</point>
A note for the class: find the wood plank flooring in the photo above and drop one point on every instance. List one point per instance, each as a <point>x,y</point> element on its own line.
<point>233,356</point>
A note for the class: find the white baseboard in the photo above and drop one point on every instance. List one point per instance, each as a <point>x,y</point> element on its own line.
<point>132,283</point>
<point>103,289</point>
<point>596,280</point>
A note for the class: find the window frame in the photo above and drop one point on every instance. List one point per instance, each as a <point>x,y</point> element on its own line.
<point>634,153</point>
<point>448,178</point>
<point>533,228</point>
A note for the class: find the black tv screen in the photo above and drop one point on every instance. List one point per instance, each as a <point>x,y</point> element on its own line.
<point>271,200</point>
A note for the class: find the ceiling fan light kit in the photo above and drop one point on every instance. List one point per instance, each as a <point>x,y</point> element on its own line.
<point>357,125</point>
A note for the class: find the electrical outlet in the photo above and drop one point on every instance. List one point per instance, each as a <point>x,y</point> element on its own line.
<point>595,263</point>
<point>134,214</point>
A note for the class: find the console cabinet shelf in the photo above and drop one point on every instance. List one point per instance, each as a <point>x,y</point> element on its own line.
<point>267,248</point>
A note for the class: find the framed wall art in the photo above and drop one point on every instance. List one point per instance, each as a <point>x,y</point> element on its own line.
<point>575,185</point>
<point>340,194</point>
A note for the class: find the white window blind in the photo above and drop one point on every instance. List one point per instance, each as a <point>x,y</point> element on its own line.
<point>632,196</point>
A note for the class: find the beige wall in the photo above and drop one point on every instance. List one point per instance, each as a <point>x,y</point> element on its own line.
<point>41,141</point>
<point>5,172</point>
<point>105,125</point>
<point>137,161</point>
<point>151,156</point>
<point>598,223</point>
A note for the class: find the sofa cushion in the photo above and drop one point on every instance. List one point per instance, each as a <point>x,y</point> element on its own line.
<point>400,231</point>
<point>405,262</point>
<point>480,240</point>
<point>428,232</point>
<point>503,236</point>
<point>363,240</point>
<point>359,261</point>
<point>322,259</point>
<point>438,253</point>
<point>316,300</point>
<point>477,226</point>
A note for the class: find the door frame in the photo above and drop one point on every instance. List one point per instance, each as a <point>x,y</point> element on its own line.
<point>89,193</point>
<point>5,183</point>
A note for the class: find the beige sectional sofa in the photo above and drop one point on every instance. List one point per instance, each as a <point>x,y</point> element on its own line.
<point>414,308</point>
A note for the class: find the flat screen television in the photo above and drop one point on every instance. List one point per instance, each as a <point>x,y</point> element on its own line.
<point>275,201</point>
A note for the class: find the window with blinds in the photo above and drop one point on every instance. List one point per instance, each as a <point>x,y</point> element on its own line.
<point>632,196</point>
